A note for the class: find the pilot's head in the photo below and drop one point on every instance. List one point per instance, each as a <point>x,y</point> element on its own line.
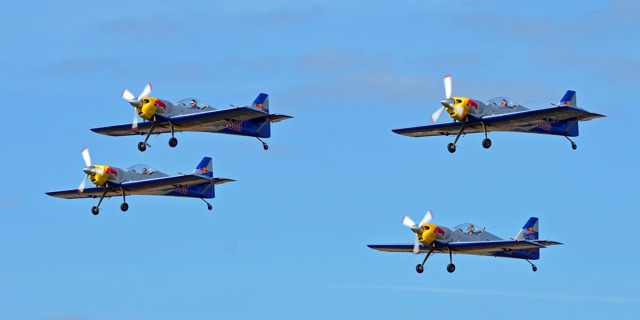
<point>503,103</point>
<point>193,103</point>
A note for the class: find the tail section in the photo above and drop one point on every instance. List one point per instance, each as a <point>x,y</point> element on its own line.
<point>205,168</point>
<point>529,230</point>
<point>261,102</point>
<point>569,99</point>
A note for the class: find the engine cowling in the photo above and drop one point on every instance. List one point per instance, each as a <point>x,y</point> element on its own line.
<point>460,107</point>
<point>100,174</point>
<point>149,107</point>
<point>431,232</point>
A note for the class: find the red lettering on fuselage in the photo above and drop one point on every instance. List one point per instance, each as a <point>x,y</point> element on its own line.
<point>544,126</point>
<point>183,190</point>
<point>160,104</point>
<point>111,171</point>
<point>235,126</point>
<point>472,104</point>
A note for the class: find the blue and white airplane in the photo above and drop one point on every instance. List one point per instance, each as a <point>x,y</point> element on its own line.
<point>501,114</point>
<point>190,114</point>
<point>469,239</point>
<point>142,180</point>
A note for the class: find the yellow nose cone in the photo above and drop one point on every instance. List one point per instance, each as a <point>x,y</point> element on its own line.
<point>147,108</point>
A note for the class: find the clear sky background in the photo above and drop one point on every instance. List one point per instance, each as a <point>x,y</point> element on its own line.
<point>288,239</point>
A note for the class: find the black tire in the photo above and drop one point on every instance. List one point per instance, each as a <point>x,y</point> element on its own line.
<point>574,145</point>
<point>534,268</point>
<point>142,146</point>
<point>419,268</point>
<point>173,142</point>
<point>265,146</point>
<point>451,267</point>
<point>209,207</point>
<point>124,206</point>
<point>95,210</point>
<point>451,147</point>
<point>486,143</point>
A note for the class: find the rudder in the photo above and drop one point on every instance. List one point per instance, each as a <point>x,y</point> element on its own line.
<point>261,102</point>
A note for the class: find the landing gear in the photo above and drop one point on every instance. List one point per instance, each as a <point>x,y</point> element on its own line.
<point>452,146</point>
<point>124,207</point>
<point>96,209</point>
<point>173,142</point>
<point>451,267</point>
<point>209,206</point>
<point>573,144</point>
<point>420,267</point>
<point>265,146</point>
<point>533,266</point>
<point>142,146</point>
<point>486,143</point>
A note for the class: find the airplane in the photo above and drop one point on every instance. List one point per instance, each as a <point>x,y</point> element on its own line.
<point>142,180</point>
<point>469,239</point>
<point>502,114</point>
<point>191,114</point>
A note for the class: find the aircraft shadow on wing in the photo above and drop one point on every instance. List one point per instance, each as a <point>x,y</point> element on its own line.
<point>190,114</point>
<point>501,114</point>
<point>142,180</point>
<point>469,239</point>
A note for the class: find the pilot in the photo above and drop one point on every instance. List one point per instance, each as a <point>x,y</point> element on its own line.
<point>470,229</point>
<point>193,103</point>
<point>144,170</point>
<point>503,103</point>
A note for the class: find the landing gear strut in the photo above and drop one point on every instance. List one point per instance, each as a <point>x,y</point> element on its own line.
<point>96,209</point>
<point>264,144</point>
<point>451,267</point>
<point>486,142</point>
<point>420,267</point>
<point>452,146</point>
<point>124,206</point>
<point>209,206</point>
<point>573,144</point>
<point>172,141</point>
<point>533,266</point>
<point>142,146</point>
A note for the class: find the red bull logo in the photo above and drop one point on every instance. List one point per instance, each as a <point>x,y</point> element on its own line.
<point>204,170</point>
<point>472,104</point>
<point>438,231</point>
<point>111,171</point>
<point>259,106</point>
<point>235,126</point>
<point>546,126</point>
<point>160,104</point>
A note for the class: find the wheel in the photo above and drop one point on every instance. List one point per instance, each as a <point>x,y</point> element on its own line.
<point>534,268</point>
<point>265,146</point>
<point>574,145</point>
<point>451,267</point>
<point>486,143</point>
<point>419,268</point>
<point>95,210</point>
<point>142,146</point>
<point>451,147</point>
<point>173,142</point>
<point>209,206</point>
<point>124,206</point>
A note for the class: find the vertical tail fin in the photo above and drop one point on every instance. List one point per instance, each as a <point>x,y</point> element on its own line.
<point>529,230</point>
<point>569,99</point>
<point>261,102</point>
<point>205,168</point>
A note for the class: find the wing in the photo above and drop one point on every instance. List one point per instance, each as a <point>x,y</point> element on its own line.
<point>187,122</point>
<point>475,247</point>
<point>534,117</point>
<point>141,187</point>
<point>502,122</point>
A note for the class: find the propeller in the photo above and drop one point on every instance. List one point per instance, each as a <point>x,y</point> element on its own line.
<point>135,102</point>
<point>408,222</point>
<point>87,162</point>
<point>447,100</point>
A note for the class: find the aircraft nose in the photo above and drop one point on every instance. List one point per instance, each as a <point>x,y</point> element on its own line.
<point>88,170</point>
<point>448,103</point>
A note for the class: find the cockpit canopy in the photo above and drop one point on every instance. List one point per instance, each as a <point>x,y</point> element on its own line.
<point>146,169</point>
<point>199,103</point>
<point>504,102</point>
<point>469,228</point>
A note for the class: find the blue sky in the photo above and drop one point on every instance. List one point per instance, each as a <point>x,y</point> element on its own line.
<point>288,239</point>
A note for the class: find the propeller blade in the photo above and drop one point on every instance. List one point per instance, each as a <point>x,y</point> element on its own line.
<point>86,157</point>
<point>447,86</point>
<point>127,95</point>
<point>134,126</point>
<point>436,115</point>
<point>416,247</point>
<point>82,184</point>
<point>407,222</point>
<point>426,219</point>
<point>145,93</point>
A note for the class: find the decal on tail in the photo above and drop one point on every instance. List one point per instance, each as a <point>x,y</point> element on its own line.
<point>261,102</point>
<point>205,168</point>
<point>529,230</point>
<point>569,99</point>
